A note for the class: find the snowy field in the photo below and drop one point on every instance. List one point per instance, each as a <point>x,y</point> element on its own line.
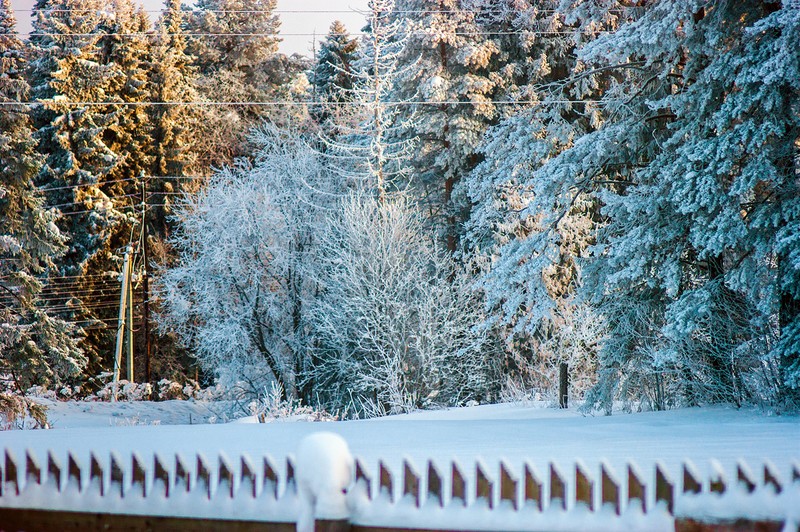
<point>491,432</point>
<point>709,437</point>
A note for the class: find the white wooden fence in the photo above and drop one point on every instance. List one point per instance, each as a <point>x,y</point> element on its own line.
<point>434,496</point>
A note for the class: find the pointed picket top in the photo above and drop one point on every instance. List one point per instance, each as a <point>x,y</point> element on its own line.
<point>665,488</point>
<point>435,493</point>
<point>385,486</point>
<point>363,479</point>
<point>54,469</point>
<point>162,479</point>
<point>558,488</point>
<point>717,482</point>
<point>270,479</point>
<point>117,481</point>
<point>745,477</point>
<point>609,487</point>
<point>138,476</point>
<point>458,490</point>
<point>96,474</point>
<point>584,486</point>
<point>11,472</point>
<point>411,482</point>
<point>33,471</point>
<point>225,479</point>
<point>508,486</point>
<point>691,478</point>
<point>534,487</point>
<point>637,492</point>
<point>484,487</point>
<point>183,476</point>
<point>290,489</point>
<point>203,476</point>
<point>74,473</point>
<point>248,479</point>
<point>771,477</point>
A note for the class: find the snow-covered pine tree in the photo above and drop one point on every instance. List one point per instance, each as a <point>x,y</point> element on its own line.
<point>371,149</point>
<point>234,44</point>
<point>73,83</point>
<point>695,165</point>
<point>332,77</point>
<point>35,346</point>
<point>175,118</point>
<point>452,80</point>
<point>534,257</point>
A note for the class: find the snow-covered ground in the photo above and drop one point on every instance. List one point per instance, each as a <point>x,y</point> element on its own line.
<point>712,438</point>
<point>491,432</point>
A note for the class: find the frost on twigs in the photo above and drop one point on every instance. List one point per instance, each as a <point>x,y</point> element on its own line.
<point>272,406</point>
<point>21,413</point>
<point>325,470</point>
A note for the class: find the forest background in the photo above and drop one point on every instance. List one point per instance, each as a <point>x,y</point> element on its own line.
<point>438,209</point>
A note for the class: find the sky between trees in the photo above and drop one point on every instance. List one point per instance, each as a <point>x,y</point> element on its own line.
<point>293,23</point>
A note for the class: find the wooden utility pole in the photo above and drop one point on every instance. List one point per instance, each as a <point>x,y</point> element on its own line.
<point>563,385</point>
<point>146,285</point>
<point>123,314</point>
<point>129,321</point>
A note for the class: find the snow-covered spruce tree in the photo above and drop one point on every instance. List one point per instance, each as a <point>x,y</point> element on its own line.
<point>234,44</point>
<point>452,80</point>
<point>246,243</point>
<point>176,122</point>
<point>394,324</point>
<point>534,258</point>
<point>695,166</point>
<point>71,80</point>
<point>331,78</point>
<point>372,150</point>
<point>35,346</point>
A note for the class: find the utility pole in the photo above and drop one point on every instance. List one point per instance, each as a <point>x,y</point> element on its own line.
<point>146,285</point>
<point>123,314</point>
<point>129,321</point>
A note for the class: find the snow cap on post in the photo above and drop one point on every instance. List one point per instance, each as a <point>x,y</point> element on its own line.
<point>324,470</point>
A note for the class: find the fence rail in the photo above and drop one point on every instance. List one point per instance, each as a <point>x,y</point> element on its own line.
<point>261,493</point>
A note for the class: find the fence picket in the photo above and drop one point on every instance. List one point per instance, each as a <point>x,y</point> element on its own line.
<point>435,486</point>
<point>745,477</point>
<point>609,489</point>
<point>161,476</point>
<point>771,478</point>
<point>11,475</point>
<point>558,488</point>
<point>458,490</point>
<point>508,486</point>
<point>664,489</point>
<point>53,471</point>
<point>484,487</point>
<point>248,479</point>
<point>533,488</point>
<point>96,474</point>
<point>385,482</point>
<point>584,487</point>
<point>116,484</point>
<point>33,472</point>
<point>636,488</point>
<point>139,475</point>
<point>410,483</point>
<point>74,473</point>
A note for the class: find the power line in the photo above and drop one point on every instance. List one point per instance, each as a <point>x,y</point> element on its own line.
<point>293,103</point>
<point>275,35</point>
<point>333,11</point>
